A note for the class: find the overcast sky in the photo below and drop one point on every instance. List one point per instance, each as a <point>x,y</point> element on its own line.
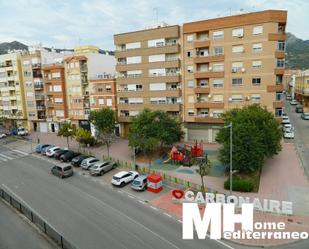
<point>67,23</point>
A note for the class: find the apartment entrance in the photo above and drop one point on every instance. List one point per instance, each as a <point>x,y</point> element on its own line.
<point>52,127</point>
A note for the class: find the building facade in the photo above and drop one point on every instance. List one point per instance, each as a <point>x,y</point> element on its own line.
<point>55,90</point>
<point>231,62</point>
<point>13,106</point>
<point>85,64</point>
<point>148,72</point>
<point>302,89</point>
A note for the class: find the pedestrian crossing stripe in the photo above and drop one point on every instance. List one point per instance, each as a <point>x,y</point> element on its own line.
<point>11,154</point>
<point>5,156</point>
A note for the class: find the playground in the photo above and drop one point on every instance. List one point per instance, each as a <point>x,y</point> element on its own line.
<point>183,158</point>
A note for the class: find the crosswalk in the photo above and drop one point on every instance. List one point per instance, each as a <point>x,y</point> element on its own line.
<point>11,154</point>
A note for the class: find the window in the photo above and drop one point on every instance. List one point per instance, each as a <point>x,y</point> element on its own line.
<point>157,86</point>
<point>189,38</point>
<point>134,60</point>
<point>55,75</point>
<point>156,42</point>
<point>157,72</point>
<point>108,88</point>
<point>135,100</point>
<point>139,87</point>
<point>109,102</point>
<point>281,45</point>
<point>278,112</point>
<point>203,52</point>
<point>257,47</point>
<point>218,83</point>
<point>58,100</point>
<point>190,83</point>
<point>26,63</point>
<point>238,49</point>
<point>238,32</point>
<point>218,51</point>
<point>237,66</point>
<point>57,88</point>
<point>256,81</point>
<point>218,98</point>
<point>257,30</point>
<point>156,57</point>
<point>190,98</point>
<point>256,64</point>
<point>76,64</point>
<point>219,67</point>
<point>278,96</point>
<point>133,45</point>
<point>190,69</point>
<point>101,101</point>
<point>237,82</point>
<point>217,113</point>
<point>190,112</point>
<point>256,97</point>
<point>158,100</point>
<point>219,34</point>
<point>190,54</point>
<point>236,98</point>
<point>100,88</point>
<point>280,63</point>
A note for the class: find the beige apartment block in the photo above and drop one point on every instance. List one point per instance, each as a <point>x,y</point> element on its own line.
<point>231,62</point>
<point>302,89</point>
<point>84,65</point>
<point>12,107</point>
<point>148,72</point>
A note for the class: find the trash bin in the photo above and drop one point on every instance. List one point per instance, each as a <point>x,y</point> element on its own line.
<point>154,183</point>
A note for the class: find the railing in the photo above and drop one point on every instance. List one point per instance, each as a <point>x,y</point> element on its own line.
<point>36,219</point>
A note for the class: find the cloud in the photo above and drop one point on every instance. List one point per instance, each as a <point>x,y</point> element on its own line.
<point>61,23</point>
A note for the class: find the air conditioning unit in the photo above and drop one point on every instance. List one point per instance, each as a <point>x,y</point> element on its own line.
<point>210,68</point>
<point>234,70</point>
<point>248,98</point>
<point>243,70</point>
<point>209,96</point>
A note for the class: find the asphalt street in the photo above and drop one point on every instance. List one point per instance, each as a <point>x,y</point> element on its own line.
<point>91,215</point>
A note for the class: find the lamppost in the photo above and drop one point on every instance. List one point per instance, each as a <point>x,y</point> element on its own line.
<point>231,155</point>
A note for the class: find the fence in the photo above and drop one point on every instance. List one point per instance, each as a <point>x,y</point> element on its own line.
<point>37,220</point>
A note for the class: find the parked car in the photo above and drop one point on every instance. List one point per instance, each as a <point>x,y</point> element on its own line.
<point>299,109</point>
<point>43,150</point>
<point>124,177</point>
<point>60,152</point>
<point>51,151</point>
<point>62,170</point>
<point>2,135</point>
<point>88,162</point>
<point>139,183</point>
<point>293,102</point>
<point>21,131</point>
<point>288,134</point>
<point>76,161</point>
<point>286,127</point>
<point>285,121</point>
<point>69,155</point>
<point>288,97</point>
<point>99,168</point>
<point>284,115</point>
<point>39,147</point>
<point>305,116</point>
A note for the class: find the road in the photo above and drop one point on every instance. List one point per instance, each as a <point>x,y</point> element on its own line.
<point>91,215</point>
<point>17,233</point>
<point>301,134</point>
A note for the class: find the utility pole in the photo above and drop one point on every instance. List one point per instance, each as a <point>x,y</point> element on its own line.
<point>231,157</point>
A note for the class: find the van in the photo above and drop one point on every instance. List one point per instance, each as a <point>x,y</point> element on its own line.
<point>62,170</point>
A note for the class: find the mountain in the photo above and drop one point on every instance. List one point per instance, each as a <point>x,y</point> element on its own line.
<point>15,45</point>
<point>297,50</point>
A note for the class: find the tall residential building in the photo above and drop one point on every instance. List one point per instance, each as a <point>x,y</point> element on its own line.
<point>32,63</point>
<point>148,72</point>
<point>231,62</point>
<point>12,107</point>
<point>85,64</point>
<point>55,91</point>
<point>302,89</point>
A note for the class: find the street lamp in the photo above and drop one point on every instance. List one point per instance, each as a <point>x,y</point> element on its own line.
<point>231,155</point>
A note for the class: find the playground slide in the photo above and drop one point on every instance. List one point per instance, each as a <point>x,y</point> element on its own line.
<point>167,160</point>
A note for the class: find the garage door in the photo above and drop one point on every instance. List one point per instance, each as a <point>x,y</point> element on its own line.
<point>197,134</point>
<point>43,127</point>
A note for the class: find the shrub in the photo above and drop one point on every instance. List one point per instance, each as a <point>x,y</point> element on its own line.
<point>241,185</point>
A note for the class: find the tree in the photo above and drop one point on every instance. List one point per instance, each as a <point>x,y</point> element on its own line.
<point>67,130</point>
<point>84,137</point>
<point>151,130</point>
<point>256,136</point>
<point>104,122</point>
<point>203,170</point>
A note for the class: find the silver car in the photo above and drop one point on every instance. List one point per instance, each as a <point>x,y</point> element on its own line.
<point>99,168</point>
<point>139,183</point>
<point>62,170</point>
<point>88,162</point>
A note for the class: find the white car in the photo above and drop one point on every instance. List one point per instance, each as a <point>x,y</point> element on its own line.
<point>124,177</point>
<point>2,135</point>
<point>288,97</point>
<point>288,134</point>
<point>287,127</point>
<point>285,121</point>
<point>21,131</point>
<point>51,151</point>
<point>293,102</point>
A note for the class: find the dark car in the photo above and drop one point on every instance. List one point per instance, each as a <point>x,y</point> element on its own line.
<point>299,109</point>
<point>39,147</point>
<point>76,161</point>
<point>59,153</point>
<point>68,156</point>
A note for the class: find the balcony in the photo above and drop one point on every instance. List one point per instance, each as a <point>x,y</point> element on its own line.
<point>279,70</point>
<point>277,36</point>
<point>40,107</point>
<point>275,88</point>
<point>36,65</point>
<point>207,104</point>
<point>279,54</point>
<point>201,43</point>
<point>202,90</point>
<point>210,120</point>
<point>206,59</point>
<point>124,119</point>
<point>208,74</point>
<point>39,97</point>
<point>38,86</point>
<point>278,104</point>
<point>158,64</point>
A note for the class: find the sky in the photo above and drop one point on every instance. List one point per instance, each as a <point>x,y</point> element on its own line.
<point>69,23</point>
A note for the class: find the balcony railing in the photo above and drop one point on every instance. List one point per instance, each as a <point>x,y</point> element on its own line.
<point>40,107</point>
<point>130,76</point>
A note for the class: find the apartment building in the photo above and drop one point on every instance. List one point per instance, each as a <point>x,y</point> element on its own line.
<point>32,63</point>
<point>148,72</point>
<point>84,65</point>
<point>230,62</point>
<point>55,91</point>
<point>12,107</point>
<point>302,89</point>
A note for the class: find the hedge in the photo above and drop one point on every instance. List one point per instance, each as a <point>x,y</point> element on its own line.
<point>241,185</point>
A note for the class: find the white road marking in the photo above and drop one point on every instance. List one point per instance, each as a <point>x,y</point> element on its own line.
<point>21,152</point>
<point>142,202</point>
<point>168,215</point>
<point>131,196</point>
<point>5,156</point>
<point>3,159</point>
<point>154,208</point>
<point>180,221</point>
